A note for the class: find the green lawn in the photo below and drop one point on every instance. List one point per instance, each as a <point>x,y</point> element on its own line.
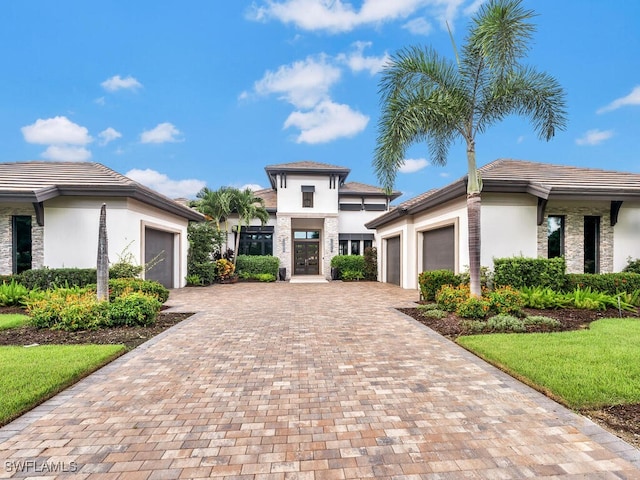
<point>583,369</point>
<point>12,320</point>
<point>30,375</point>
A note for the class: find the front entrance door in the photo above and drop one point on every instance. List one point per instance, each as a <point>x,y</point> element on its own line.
<point>306,258</point>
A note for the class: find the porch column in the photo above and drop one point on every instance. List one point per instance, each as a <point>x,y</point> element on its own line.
<point>283,245</point>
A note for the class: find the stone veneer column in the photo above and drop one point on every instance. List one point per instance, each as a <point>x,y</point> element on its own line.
<point>330,232</point>
<point>574,236</point>
<point>283,239</point>
<point>6,238</point>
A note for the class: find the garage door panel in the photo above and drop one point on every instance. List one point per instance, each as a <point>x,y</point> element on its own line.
<point>393,260</point>
<point>438,249</point>
<point>159,250</point>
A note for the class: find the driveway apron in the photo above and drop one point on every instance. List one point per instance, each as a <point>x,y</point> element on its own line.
<point>305,381</point>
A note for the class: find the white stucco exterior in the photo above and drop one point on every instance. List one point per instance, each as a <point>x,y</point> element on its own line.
<point>626,243</point>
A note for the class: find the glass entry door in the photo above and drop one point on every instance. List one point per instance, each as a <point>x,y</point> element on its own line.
<point>306,258</point>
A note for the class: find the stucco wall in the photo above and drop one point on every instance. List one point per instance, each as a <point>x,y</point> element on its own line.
<point>325,199</point>
<point>626,235</point>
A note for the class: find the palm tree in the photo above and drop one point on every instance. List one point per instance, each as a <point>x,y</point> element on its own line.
<point>215,204</point>
<point>426,97</point>
<point>248,207</point>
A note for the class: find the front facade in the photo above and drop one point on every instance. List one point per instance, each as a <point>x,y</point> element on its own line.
<point>49,216</point>
<point>314,215</point>
<point>590,217</point>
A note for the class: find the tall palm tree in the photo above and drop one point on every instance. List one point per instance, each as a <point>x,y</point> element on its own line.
<point>247,206</point>
<point>426,97</point>
<point>215,204</point>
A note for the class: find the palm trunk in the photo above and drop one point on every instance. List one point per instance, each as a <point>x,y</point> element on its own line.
<point>474,187</point>
<point>103,257</point>
<point>235,252</point>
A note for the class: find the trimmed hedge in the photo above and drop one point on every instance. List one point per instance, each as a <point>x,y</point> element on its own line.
<point>120,286</point>
<point>351,263</point>
<point>257,265</point>
<point>431,281</point>
<point>518,272</point>
<point>47,278</point>
<point>609,283</point>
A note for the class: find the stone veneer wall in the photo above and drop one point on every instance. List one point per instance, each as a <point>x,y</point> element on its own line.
<point>6,238</point>
<point>283,237</point>
<point>330,236</point>
<point>574,236</point>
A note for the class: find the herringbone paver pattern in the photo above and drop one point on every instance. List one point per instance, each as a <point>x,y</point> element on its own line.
<point>305,381</point>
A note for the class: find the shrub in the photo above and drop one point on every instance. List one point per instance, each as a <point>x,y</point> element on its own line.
<point>260,277</point>
<point>224,268</point>
<point>47,278</point>
<point>542,320</point>
<point>473,307</point>
<point>434,313</point>
<point>431,281</point>
<point>193,280</point>
<point>133,309</point>
<point>351,275</point>
<point>633,266</point>
<point>449,297</point>
<point>257,264</point>
<point>204,242</point>
<point>68,309</point>
<point>543,298</point>
<point>12,294</point>
<point>486,277</point>
<point>506,300</point>
<point>610,283</point>
<point>207,272</point>
<point>505,323</point>
<point>354,263</point>
<point>120,286</point>
<point>471,327</point>
<point>519,272</point>
<point>590,300</point>
<point>371,263</point>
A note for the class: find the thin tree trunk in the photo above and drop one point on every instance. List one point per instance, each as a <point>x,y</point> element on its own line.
<point>103,257</point>
<point>474,187</point>
<point>235,252</point>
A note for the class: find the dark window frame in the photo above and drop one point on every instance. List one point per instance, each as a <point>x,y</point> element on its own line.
<point>21,248</point>
<point>556,247</point>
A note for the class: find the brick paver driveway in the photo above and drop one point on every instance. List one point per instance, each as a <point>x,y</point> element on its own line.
<point>305,381</point>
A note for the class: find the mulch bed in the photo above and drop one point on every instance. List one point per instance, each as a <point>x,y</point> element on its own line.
<point>621,420</point>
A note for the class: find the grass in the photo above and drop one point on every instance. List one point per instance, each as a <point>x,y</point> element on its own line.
<point>32,375</point>
<point>582,369</point>
<point>12,320</point>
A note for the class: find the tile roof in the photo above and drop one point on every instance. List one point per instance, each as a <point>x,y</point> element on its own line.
<point>270,197</point>
<point>39,181</point>
<point>357,188</point>
<point>542,180</point>
<point>306,166</point>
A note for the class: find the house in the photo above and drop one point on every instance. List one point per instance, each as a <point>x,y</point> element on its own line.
<point>49,216</point>
<point>589,216</point>
<point>314,215</point>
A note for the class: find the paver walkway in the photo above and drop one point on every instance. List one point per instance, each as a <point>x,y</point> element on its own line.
<point>304,381</point>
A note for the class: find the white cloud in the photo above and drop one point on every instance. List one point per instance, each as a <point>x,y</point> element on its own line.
<point>336,15</point>
<point>100,101</point>
<point>358,62</point>
<point>163,184</point>
<point>66,153</point>
<point>162,133</point>
<point>412,165</point>
<point>327,121</point>
<point>303,83</point>
<point>108,135</point>
<point>252,186</point>
<point>632,99</point>
<point>594,137</point>
<point>56,131</point>
<point>419,26</point>
<point>118,83</point>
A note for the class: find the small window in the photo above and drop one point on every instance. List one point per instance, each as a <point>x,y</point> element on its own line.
<point>355,247</point>
<point>343,248</point>
<point>21,243</point>
<point>555,236</point>
<point>368,244</point>
<point>307,199</point>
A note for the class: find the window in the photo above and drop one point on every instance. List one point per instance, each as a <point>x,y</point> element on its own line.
<point>256,241</point>
<point>591,244</point>
<point>307,196</point>
<point>355,247</point>
<point>555,236</point>
<point>343,247</point>
<point>306,235</point>
<point>21,249</point>
<point>368,244</point>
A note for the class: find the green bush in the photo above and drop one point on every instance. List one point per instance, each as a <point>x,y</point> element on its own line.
<point>431,281</point>
<point>543,298</point>
<point>12,294</point>
<point>519,272</point>
<point>473,307</point>
<point>588,299</point>
<point>506,300</point>
<point>434,313</point>
<point>122,269</point>
<point>120,286</point>
<point>343,263</point>
<point>449,297</point>
<point>47,278</point>
<point>472,327</point>
<point>133,309</point>
<point>542,320</point>
<point>204,243</point>
<point>371,263</point>
<point>68,309</point>
<point>633,266</point>
<point>6,278</point>
<point>206,272</point>
<point>610,283</point>
<point>257,264</point>
<point>352,275</point>
<point>260,277</point>
<point>505,323</point>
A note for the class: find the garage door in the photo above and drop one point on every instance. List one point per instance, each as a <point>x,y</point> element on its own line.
<point>393,260</point>
<point>438,249</point>
<point>159,251</point>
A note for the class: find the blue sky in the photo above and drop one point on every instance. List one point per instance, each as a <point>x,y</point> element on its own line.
<point>179,95</point>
